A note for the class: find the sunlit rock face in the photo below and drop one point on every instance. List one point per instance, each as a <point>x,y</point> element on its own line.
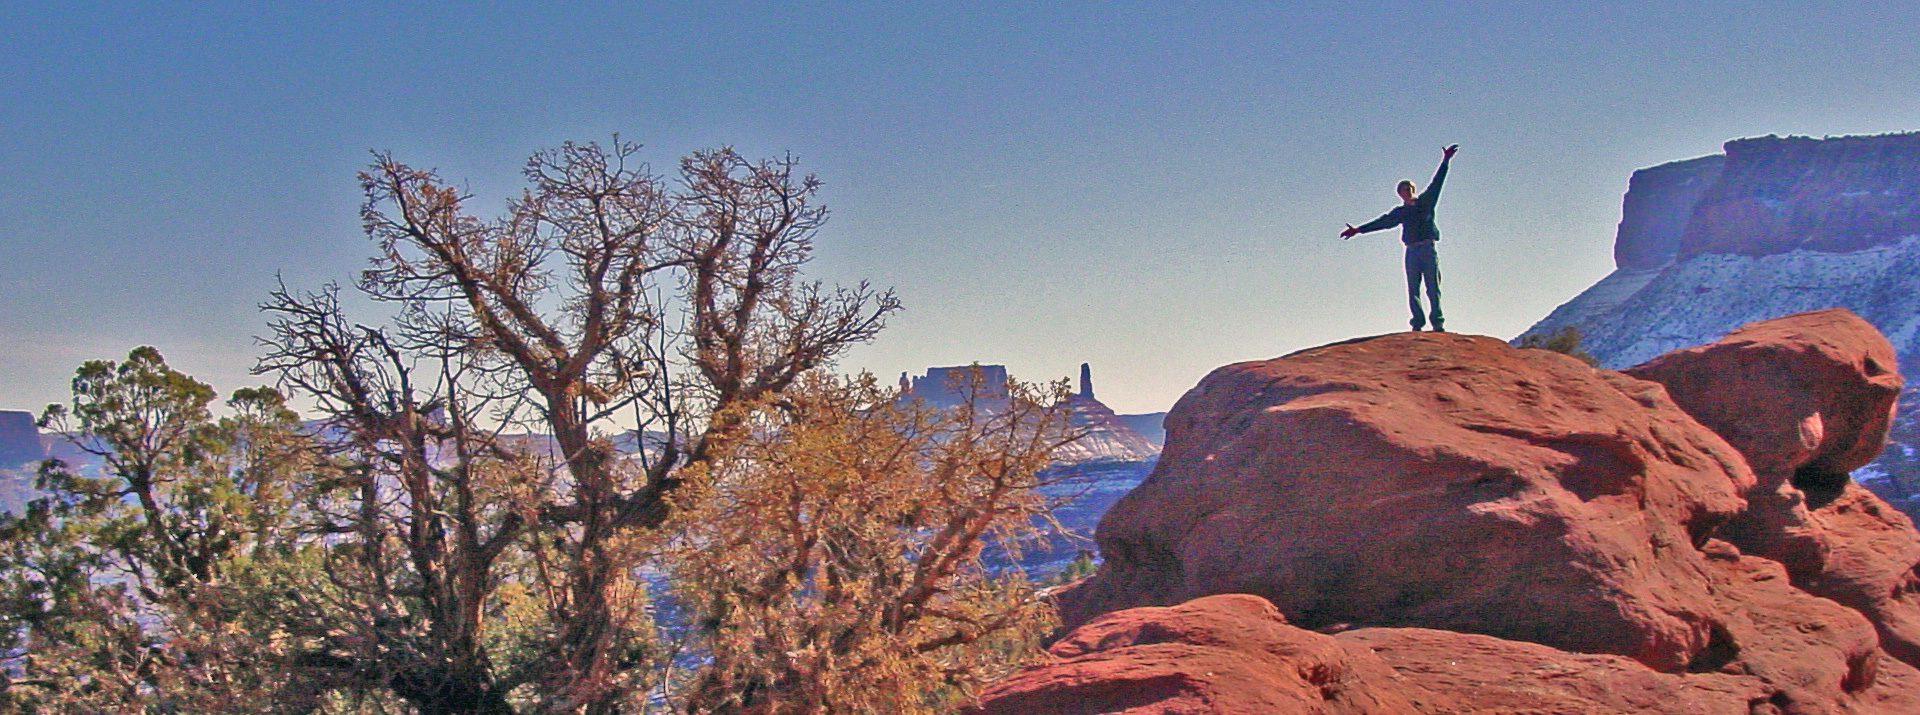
<point>1774,227</point>
<point>1806,399</point>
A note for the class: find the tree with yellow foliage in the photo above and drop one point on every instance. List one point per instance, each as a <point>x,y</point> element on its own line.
<point>833,557</point>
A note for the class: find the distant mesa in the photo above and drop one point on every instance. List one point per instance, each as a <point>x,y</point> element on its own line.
<point>948,386</point>
<point>20,447</point>
<point>1109,436</point>
<point>20,443</point>
<point>1773,195</point>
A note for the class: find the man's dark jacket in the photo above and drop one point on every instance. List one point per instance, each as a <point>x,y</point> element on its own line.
<point>1415,219</point>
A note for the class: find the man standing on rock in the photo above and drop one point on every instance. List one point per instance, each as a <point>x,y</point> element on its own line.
<point>1414,216</point>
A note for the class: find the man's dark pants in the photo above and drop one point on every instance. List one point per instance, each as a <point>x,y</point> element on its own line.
<point>1423,264</point>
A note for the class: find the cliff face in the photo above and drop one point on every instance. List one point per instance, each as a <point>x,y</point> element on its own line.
<point>1831,195</point>
<point>1654,215</point>
<point>1781,226</point>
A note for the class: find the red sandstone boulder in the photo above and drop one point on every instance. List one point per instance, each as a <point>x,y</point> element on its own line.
<point>1873,564</point>
<point>1435,480</point>
<point>1475,490</point>
<point>1807,399</point>
<point>1810,394</point>
<point>1896,689</point>
<point>1223,654</point>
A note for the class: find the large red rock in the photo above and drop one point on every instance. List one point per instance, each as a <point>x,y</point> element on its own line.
<point>1810,395</point>
<point>1486,529</point>
<point>1807,399</point>
<point>1222,654</point>
<point>1435,480</point>
<point>1896,689</point>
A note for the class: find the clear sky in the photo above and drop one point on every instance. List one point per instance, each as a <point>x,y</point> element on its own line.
<point>1152,189</point>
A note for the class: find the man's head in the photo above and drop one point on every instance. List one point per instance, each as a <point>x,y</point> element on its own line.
<point>1405,188</point>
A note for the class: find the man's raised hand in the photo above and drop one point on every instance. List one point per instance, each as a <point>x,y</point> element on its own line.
<point>1448,152</point>
<point>1349,233</point>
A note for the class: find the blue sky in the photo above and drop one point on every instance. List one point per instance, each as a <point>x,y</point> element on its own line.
<point>1152,189</point>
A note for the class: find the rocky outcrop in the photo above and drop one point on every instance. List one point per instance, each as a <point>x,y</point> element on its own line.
<point>1514,528</point>
<point>1105,436</point>
<point>1471,674</point>
<point>1815,400</point>
<point>1570,499</point>
<point>1807,398</point>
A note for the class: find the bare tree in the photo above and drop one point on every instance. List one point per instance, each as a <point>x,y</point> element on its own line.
<point>604,294</point>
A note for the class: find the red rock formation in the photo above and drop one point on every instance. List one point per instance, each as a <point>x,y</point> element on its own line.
<point>1807,399</point>
<point>1810,393</point>
<point>1810,652</point>
<point>1433,480</point>
<point>1510,531</point>
<point>1237,654</point>
<point>1788,225</point>
<point>1223,654</point>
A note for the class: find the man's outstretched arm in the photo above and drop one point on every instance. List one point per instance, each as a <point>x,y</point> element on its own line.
<point>1388,220</point>
<point>1432,193</point>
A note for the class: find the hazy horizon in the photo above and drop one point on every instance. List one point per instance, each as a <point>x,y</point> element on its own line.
<point>1153,191</point>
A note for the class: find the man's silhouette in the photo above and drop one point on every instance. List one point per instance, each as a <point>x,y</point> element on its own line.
<point>1414,216</point>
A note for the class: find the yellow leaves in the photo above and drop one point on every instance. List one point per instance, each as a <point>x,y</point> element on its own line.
<point>835,549</point>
